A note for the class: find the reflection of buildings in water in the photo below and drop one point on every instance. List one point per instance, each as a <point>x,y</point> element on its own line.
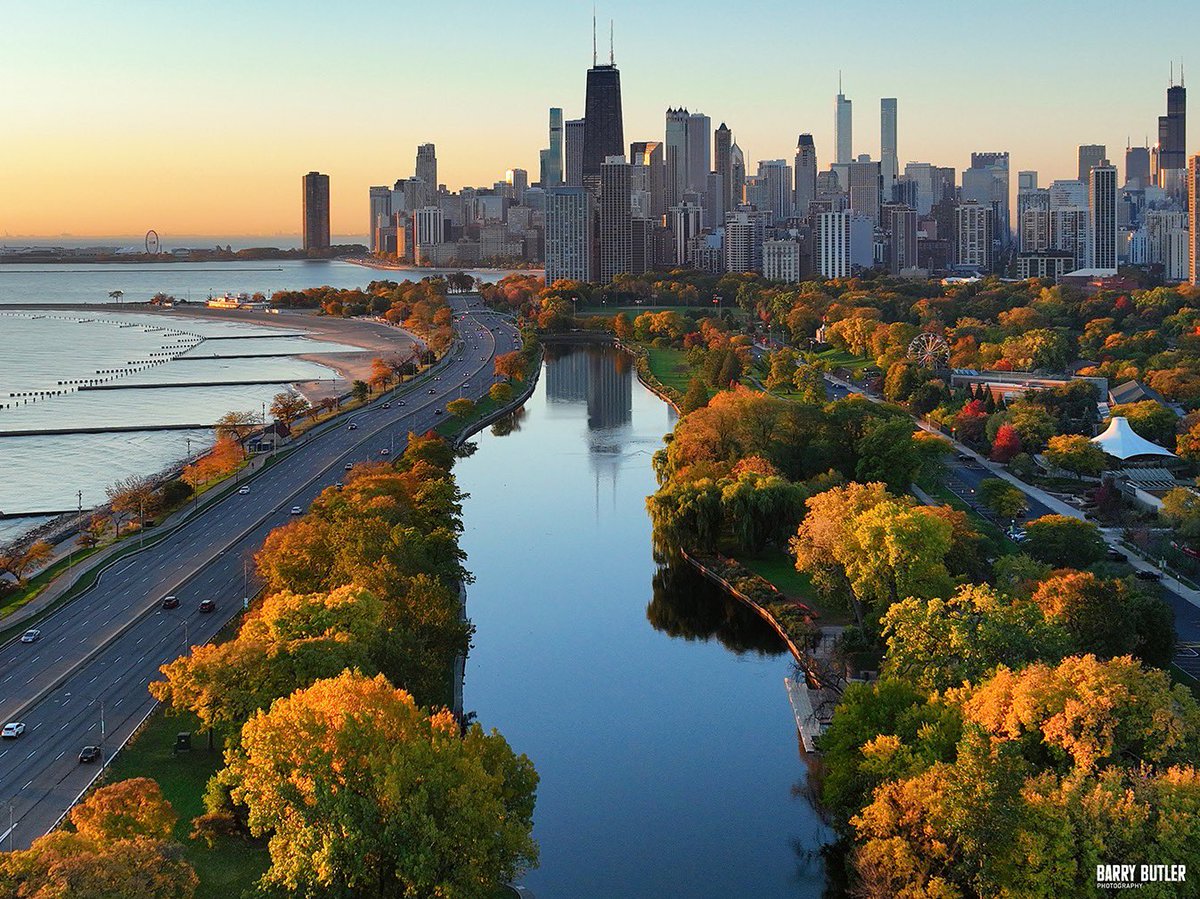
<point>603,380</point>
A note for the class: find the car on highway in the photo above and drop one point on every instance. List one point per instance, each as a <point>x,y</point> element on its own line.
<point>12,730</point>
<point>387,405</point>
<point>243,490</point>
<point>353,427</point>
<point>207,605</point>
<point>89,754</point>
<point>400,403</point>
<point>437,411</point>
<point>296,510</point>
<point>431,390</point>
<point>339,485</point>
<point>31,636</point>
<point>170,602</point>
<point>385,452</point>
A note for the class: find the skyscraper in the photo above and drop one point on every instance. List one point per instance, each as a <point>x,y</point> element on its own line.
<point>677,155</point>
<point>616,219</point>
<point>568,234</point>
<point>1033,219</point>
<point>603,131</point>
<point>833,244</point>
<point>743,241</point>
<point>805,190</point>
<point>552,174</point>
<point>737,177</point>
<point>1102,217</point>
<point>902,238</point>
<point>723,165</point>
<point>1172,139</point>
<point>315,223</point>
<point>699,151</point>
<point>889,162</point>
<point>776,174</point>
<point>427,173</point>
<point>1090,155</point>
<point>863,187</point>
<point>381,212</point>
<point>573,153</point>
<point>842,126</point>
<point>1193,185</point>
<point>685,224</point>
<point>973,236</point>
<point>429,227</point>
<point>1137,166</point>
<point>650,171</point>
<point>986,182</point>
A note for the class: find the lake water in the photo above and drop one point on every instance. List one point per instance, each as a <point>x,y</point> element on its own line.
<point>652,706</point>
<point>194,281</point>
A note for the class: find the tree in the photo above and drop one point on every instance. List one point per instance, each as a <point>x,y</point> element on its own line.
<point>361,390</point>
<point>511,366</point>
<point>119,844</point>
<point>1002,497</point>
<point>116,295</point>
<point>461,407</point>
<point>936,644</point>
<point>809,383</point>
<point>895,550</point>
<point>19,561</point>
<point>1076,454</point>
<point>888,453</point>
<point>1063,541</point>
<point>1187,443</point>
<point>782,368</point>
<point>1109,617</point>
<point>1006,445</point>
<point>1181,510</point>
<point>1149,419</point>
<point>238,425</point>
<point>288,406</point>
<point>382,374</point>
<point>131,496</point>
<point>695,398</point>
<point>361,792</point>
<point>730,372</point>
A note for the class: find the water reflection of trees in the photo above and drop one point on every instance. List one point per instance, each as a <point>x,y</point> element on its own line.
<point>509,424</point>
<point>686,605</point>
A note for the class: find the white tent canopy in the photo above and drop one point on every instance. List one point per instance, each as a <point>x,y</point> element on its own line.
<point>1122,442</point>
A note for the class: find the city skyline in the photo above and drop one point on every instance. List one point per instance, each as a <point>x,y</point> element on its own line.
<point>141,135</point>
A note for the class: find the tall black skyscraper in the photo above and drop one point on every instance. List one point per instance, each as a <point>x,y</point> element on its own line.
<point>1172,149</point>
<point>603,132</point>
<point>316,211</point>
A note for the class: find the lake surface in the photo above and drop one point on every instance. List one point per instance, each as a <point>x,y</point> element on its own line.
<point>194,281</point>
<point>652,706</point>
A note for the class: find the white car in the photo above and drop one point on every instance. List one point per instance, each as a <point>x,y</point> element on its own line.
<point>296,510</point>
<point>243,490</point>
<point>31,636</point>
<point>12,730</point>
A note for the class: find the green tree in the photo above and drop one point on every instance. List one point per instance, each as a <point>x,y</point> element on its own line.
<point>360,390</point>
<point>782,368</point>
<point>1063,541</point>
<point>893,551</point>
<point>461,407</point>
<point>363,793</point>
<point>1181,510</point>
<point>937,643</point>
<point>809,383</point>
<point>1075,454</point>
<point>501,393</point>
<point>695,398</point>
<point>888,453</point>
<point>1149,419</point>
<point>731,370</point>
<point>1002,497</point>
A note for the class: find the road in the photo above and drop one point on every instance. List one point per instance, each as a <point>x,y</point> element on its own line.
<point>85,681</point>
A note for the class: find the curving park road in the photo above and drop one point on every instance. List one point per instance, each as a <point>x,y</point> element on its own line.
<point>85,681</point>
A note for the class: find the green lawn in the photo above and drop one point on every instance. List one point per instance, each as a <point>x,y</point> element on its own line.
<point>842,359</point>
<point>227,871</point>
<point>670,366</point>
<point>452,425</point>
<point>778,567</point>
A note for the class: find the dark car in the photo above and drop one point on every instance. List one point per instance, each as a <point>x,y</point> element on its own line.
<point>353,426</point>
<point>170,602</point>
<point>1116,555</point>
<point>207,605</point>
<point>1148,575</point>
<point>89,754</point>
<point>437,411</point>
<point>387,405</point>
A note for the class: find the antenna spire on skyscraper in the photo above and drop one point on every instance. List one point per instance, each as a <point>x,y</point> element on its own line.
<point>593,36</point>
<point>611,61</point>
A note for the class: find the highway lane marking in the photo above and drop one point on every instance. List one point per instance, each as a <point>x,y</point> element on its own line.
<point>60,755</point>
<point>27,785</point>
<point>36,726</point>
<point>31,755</point>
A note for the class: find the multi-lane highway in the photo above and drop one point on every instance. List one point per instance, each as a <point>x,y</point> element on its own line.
<point>85,680</point>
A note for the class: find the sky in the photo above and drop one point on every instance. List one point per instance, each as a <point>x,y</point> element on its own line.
<point>201,118</point>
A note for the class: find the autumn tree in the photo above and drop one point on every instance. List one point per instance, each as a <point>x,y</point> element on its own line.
<point>808,382</point>
<point>1002,497</point>
<point>118,843</point>
<point>288,406</point>
<point>501,393</point>
<point>435,811</point>
<point>1006,445</point>
<point>18,561</point>
<point>510,365</point>
<point>1076,454</point>
<point>238,425</point>
<point>131,496</point>
<point>461,407</point>
<point>695,398</point>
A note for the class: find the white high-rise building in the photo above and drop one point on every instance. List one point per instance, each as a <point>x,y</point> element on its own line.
<point>973,236</point>
<point>428,231</point>
<point>1193,191</point>
<point>843,124</point>
<point>1033,219</point>
<point>381,211</point>
<point>568,234</point>
<point>833,244</point>
<point>685,224</point>
<point>1102,218</point>
<point>743,241</point>
<point>889,161</point>
<point>776,177</point>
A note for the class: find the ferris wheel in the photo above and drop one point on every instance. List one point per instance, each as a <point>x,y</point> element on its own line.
<point>929,351</point>
<point>153,244</point>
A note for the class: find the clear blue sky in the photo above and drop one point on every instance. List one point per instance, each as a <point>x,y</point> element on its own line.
<point>201,118</point>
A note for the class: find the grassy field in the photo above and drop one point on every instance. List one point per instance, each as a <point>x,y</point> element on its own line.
<point>670,367</point>
<point>452,425</point>
<point>842,359</point>
<point>778,567</point>
<point>232,867</point>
